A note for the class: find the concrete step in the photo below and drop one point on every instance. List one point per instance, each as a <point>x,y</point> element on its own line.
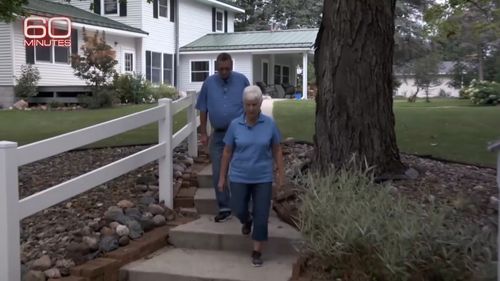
<point>204,233</point>
<point>205,202</point>
<point>197,265</point>
<point>205,177</point>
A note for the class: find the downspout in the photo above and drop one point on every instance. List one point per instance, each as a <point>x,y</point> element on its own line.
<point>177,24</point>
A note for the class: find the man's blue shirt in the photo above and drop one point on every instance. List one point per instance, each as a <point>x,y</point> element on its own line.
<point>222,99</point>
<point>252,160</point>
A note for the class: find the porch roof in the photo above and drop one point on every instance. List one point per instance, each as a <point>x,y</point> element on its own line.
<point>77,15</point>
<point>254,40</point>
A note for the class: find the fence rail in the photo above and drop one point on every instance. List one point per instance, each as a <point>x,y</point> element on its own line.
<point>13,210</point>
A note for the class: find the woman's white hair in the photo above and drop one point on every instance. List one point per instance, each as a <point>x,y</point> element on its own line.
<point>252,93</point>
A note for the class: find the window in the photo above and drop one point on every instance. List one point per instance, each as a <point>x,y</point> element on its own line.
<point>277,74</point>
<point>265,72</point>
<point>156,68</point>
<point>110,7</point>
<point>167,68</point>
<point>163,7</point>
<point>61,54</point>
<point>219,21</point>
<point>199,70</point>
<point>129,62</point>
<point>285,74</point>
<point>43,54</point>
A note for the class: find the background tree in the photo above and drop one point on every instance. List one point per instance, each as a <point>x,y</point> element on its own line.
<point>10,9</point>
<point>354,57</point>
<point>426,73</point>
<point>97,64</point>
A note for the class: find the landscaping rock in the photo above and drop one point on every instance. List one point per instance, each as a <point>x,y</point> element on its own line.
<point>34,276</point>
<point>90,243</point>
<point>53,273</point>
<point>114,225</point>
<point>159,220</point>
<point>106,231</point>
<point>133,213</point>
<point>65,266</point>
<point>42,264</point>
<point>147,200</point>
<point>124,204</point>
<point>147,222</point>
<point>20,105</point>
<point>135,228</point>
<point>108,244</point>
<point>156,209</point>
<point>114,213</point>
<point>124,241</point>
<point>122,230</point>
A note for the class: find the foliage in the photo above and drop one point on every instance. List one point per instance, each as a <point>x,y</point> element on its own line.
<point>10,9</point>
<point>97,65</point>
<point>160,92</point>
<point>371,233</point>
<point>482,92</point>
<point>426,71</point>
<point>26,85</point>
<point>100,98</point>
<point>130,88</point>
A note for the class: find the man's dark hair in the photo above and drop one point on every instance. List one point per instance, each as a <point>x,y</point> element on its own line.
<point>224,57</point>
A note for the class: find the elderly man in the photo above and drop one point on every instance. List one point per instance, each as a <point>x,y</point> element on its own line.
<point>221,97</point>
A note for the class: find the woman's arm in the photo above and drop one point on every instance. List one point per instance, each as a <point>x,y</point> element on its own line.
<point>224,165</point>
<point>278,162</point>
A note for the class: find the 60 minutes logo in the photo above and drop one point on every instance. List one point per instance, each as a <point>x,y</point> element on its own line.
<point>40,31</point>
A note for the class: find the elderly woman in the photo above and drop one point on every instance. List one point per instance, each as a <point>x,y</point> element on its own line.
<point>252,142</point>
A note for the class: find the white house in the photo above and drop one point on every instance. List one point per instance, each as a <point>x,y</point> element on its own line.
<point>168,41</point>
<point>440,87</point>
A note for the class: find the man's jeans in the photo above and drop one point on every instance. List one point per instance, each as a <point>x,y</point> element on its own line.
<point>216,148</point>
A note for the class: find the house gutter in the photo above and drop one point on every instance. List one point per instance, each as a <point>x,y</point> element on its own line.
<point>110,30</point>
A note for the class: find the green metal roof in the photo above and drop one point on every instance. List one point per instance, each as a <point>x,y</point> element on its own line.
<point>49,8</point>
<point>294,38</point>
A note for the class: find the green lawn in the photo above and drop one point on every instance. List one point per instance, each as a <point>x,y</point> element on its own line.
<point>449,129</point>
<point>29,126</point>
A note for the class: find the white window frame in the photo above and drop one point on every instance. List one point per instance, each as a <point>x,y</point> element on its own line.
<point>103,10</point>
<point>262,70</point>
<point>191,69</point>
<point>159,9</point>
<point>125,53</point>
<point>217,11</point>
<point>212,67</point>
<point>52,57</point>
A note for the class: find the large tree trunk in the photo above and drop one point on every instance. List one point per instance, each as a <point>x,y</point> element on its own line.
<point>353,63</point>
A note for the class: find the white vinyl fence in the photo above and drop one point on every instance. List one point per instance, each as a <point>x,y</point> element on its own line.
<point>495,147</point>
<point>13,210</point>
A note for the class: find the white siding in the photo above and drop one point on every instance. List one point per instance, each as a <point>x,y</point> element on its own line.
<point>134,9</point>
<point>242,63</point>
<point>196,21</point>
<point>408,88</point>
<point>6,62</point>
<point>57,74</point>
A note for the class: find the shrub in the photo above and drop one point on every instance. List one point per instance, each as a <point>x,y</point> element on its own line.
<point>130,88</point>
<point>362,231</point>
<point>100,98</point>
<point>482,92</point>
<point>27,83</point>
<point>162,91</point>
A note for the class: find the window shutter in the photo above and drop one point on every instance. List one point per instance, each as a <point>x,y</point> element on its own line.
<point>155,9</point>
<point>97,7</point>
<point>148,65</point>
<point>123,8</point>
<point>172,10</point>
<point>225,21</point>
<point>213,19</point>
<point>30,54</point>
<point>74,41</point>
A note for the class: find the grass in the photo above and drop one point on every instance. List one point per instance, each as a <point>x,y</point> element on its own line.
<point>444,128</point>
<point>26,127</point>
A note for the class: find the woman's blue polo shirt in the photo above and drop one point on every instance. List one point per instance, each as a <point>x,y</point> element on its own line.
<point>252,160</point>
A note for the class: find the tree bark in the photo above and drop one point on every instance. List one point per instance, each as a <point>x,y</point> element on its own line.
<point>353,60</point>
<point>480,55</point>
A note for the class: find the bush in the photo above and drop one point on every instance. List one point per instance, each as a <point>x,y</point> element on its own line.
<point>130,88</point>
<point>160,92</point>
<point>482,92</point>
<point>27,83</point>
<point>361,231</point>
<point>100,98</point>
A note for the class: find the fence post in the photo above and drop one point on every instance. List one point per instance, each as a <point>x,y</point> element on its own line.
<point>165,164</point>
<point>10,244</point>
<point>191,117</point>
